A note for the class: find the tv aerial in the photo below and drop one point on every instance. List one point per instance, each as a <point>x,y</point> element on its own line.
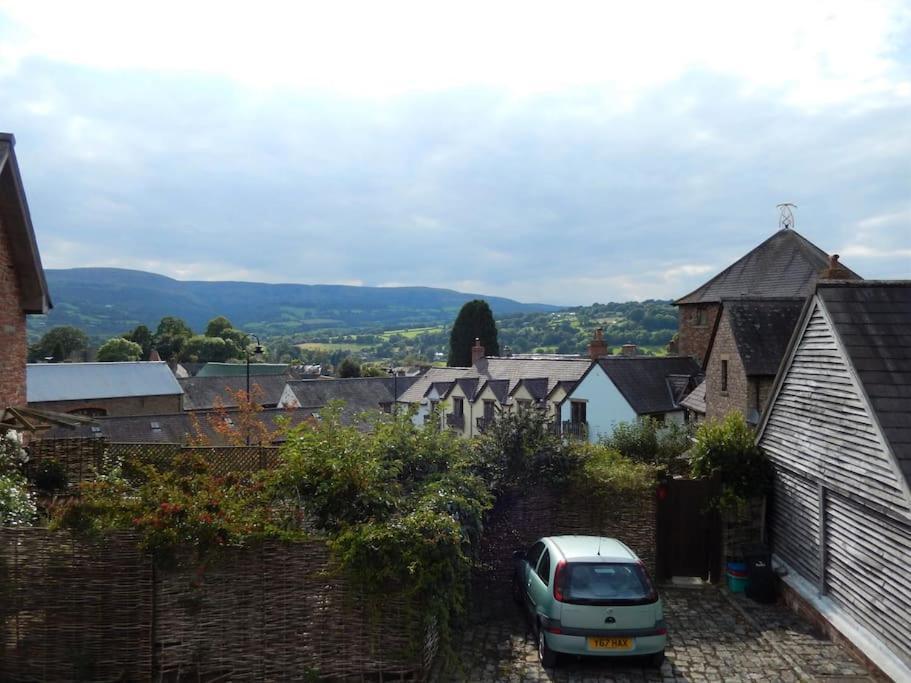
<point>786,218</point>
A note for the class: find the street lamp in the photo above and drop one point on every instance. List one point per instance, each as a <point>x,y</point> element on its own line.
<point>258,352</point>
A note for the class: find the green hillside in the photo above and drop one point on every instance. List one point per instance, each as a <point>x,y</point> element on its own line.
<point>109,301</point>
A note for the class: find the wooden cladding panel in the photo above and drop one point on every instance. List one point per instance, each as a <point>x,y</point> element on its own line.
<point>795,523</point>
<point>819,424</point>
<point>868,570</point>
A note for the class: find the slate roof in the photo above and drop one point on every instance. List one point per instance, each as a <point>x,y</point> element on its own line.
<point>418,390</point>
<point>695,400</point>
<point>645,381</point>
<point>360,394</point>
<point>762,330</point>
<point>785,265</point>
<point>515,369</point>
<point>205,393</point>
<point>873,322</point>
<point>168,428</point>
<point>17,222</point>
<point>240,369</point>
<point>499,388</point>
<point>536,386</point>
<point>81,381</point>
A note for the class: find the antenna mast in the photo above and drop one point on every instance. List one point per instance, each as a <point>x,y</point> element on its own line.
<point>786,218</point>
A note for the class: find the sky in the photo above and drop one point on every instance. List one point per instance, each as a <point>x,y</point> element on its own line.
<point>562,152</point>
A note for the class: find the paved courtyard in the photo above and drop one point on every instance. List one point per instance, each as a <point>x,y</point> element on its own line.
<point>713,637</point>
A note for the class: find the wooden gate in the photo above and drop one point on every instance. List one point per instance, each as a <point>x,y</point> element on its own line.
<point>689,530</point>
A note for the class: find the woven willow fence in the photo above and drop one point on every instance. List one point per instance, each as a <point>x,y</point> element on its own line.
<point>517,521</point>
<point>77,610</point>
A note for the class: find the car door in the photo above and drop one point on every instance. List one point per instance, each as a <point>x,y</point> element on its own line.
<point>539,584</point>
<point>531,562</point>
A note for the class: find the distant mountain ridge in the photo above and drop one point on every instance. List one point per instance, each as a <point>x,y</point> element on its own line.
<point>109,301</point>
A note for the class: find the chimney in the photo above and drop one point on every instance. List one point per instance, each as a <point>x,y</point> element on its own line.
<point>834,271</point>
<point>477,351</point>
<point>153,355</point>
<point>673,347</point>
<point>597,347</point>
<point>629,350</point>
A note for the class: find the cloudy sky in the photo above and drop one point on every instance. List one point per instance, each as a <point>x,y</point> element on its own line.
<point>558,152</point>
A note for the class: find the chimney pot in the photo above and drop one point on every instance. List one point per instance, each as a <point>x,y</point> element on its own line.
<point>629,350</point>
<point>597,348</point>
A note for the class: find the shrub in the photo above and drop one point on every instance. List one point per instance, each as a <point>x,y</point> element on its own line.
<point>727,449</point>
<point>50,476</point>
<point>657,443</point>
<point>17,504</point>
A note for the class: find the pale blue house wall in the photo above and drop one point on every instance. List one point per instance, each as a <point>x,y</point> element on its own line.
<point>606,405</point>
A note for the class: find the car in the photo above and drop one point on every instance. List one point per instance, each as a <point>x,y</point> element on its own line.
<point>589,595</point>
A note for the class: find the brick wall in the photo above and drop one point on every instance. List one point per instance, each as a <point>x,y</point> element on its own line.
<point>694,331</point>
<point>115,407</point>
<point>718,403</point>
<point>13,341</point>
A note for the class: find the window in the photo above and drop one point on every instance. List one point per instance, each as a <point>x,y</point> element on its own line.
<point>699,317</point>
<point>602,583</point>
<point>724,375</point>
<point>458,406</point>
<point>89,412</point>
<point>577,410</point>
<point>434,405</point>
<point>534,553</point>
<point>524,405</point>
<point>155,427</point>
<point>544,567</point>
<point>488,410</point>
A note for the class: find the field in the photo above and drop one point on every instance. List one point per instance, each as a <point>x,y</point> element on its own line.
<point>329,347</point>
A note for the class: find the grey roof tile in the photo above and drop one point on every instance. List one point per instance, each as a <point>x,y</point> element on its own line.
<point>762,330</point>
<point>81,381</point>
<point>785,265</point>
<point>205,393</point>
<point>643,380</point>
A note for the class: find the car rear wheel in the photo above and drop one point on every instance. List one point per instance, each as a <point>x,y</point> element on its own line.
<point>547,656</point>
<point>657,659</point>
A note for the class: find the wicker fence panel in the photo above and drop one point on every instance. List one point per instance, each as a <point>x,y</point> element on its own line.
<point>516,522</point>
<point>275,611</point>
<point>73,610</point>
<point>82,458</point>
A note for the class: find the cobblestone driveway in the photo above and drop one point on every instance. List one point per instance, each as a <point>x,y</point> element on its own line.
<point>713,637</point>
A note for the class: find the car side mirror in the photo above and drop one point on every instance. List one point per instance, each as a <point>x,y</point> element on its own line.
<point>518,555</point>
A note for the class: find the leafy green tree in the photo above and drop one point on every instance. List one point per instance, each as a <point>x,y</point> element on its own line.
<point>368,370</point>
<point>475,321</point>
<point>171,336</point>
<point>349,368</point>
<point>218,325</point>
<point>119,349</point>
<point>141,335</point>
<point>204,349</point>
<point>59,342</point>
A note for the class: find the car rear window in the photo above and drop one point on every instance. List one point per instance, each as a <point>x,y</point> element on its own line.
<point>606,583</point>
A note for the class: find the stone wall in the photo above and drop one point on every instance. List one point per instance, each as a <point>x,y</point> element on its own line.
<point>119,406</point>
<point>13,341</point>
<point>719,403</point>
<point>693,334</point>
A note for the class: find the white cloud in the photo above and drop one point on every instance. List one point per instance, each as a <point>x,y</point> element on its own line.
<point>816,54</point>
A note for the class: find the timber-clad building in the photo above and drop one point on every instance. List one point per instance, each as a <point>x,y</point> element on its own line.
<point>838,432</point>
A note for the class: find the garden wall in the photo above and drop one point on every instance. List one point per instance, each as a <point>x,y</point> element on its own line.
<point>79,610</point>
<point>517,521</point>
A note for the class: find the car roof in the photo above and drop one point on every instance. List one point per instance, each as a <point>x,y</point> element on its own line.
<point>592,549</point>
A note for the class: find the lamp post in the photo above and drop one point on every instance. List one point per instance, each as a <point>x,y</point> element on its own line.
<point>257,351</point>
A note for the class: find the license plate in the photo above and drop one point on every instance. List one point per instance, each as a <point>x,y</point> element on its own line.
<point>610,643</point>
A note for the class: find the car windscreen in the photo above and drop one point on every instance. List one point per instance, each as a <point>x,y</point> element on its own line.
<point>605,583</point>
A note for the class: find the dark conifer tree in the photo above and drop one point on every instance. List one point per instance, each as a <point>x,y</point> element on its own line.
<point>475,321</point>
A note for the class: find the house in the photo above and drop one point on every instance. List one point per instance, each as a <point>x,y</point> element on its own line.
<point>750,339</point>
<point>838,433</point>
<point>177,428</point>
<point>23,290</point>
<point>624,388</point>
<point>206,393</point>
<point>786,265</point>
<point>104,389</point>
<point>360,394</point>
<point>496,384</point>
<point>428,390</point>
<point>240,369</point>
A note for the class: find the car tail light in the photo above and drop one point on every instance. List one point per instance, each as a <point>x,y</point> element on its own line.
<point>558,580</point>
<point>554,629</point>
<point>653,593</point>
<point>661,631</point>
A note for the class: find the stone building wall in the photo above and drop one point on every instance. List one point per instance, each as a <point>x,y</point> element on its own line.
<point>118,407</point>
<point>13,341</point>
<point>719,403</point>
<point>694,331</point>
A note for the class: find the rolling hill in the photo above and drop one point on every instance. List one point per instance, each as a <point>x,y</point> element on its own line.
<point>109,301</point>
